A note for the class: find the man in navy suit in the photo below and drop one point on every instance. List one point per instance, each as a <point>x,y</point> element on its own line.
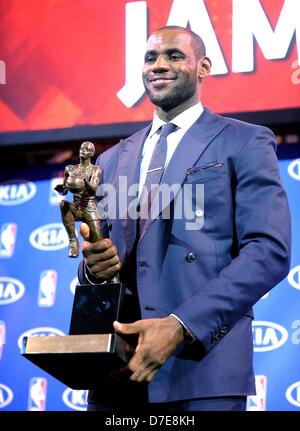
<point>192,279</point>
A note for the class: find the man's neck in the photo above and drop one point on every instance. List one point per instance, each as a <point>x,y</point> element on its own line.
<point>167,115</point>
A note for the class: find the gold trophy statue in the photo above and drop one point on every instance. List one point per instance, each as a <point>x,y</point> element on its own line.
<point>92,350</point>
<point>82,180</point>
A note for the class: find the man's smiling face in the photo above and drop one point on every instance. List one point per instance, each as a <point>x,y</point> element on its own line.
<point>170,72</point>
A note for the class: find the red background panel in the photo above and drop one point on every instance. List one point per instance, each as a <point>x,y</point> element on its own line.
<point>65,63</point>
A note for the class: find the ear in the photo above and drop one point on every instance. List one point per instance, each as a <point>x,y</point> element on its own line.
<point>204,67</point>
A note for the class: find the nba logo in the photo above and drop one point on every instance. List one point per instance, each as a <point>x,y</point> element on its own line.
<point>258,402</point>
<point>54,197</point>
<point>47,288</point>
<point>8,233</point>
<point>2,337</point>
<point>37,394</point>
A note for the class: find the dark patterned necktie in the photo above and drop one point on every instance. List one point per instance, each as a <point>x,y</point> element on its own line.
<point>154,174</point>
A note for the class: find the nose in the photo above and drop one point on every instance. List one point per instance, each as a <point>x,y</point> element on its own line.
<point>161,63</point>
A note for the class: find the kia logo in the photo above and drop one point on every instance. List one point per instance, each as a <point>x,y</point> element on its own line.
<point>49,237</point>
<point>293,394</point>
<point>294,169</point>
<point>39,332</point>
<point>11,290</point>
<point>75,399</point>
<point>17,193</point>
<point>6,396</point>
<point>268,335</point>
<point>294,277</point>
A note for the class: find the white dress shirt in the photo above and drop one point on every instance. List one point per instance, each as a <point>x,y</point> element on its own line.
<point>183,122</point>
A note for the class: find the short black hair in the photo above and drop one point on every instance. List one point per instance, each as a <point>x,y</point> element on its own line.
<point>197,41</point>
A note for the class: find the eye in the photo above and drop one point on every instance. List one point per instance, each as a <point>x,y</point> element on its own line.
<point>176,56</point>
<point>150,58</point>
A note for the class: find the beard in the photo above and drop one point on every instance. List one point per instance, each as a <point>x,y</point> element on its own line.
<point>176,96</point>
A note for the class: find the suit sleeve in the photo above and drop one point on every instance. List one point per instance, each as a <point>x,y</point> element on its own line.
<point>262,225</point>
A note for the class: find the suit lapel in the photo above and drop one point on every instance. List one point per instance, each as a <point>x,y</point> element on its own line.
<point>129,168</point>
<point>188,151</point>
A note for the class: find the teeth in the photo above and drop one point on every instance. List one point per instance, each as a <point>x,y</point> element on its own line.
<point>161,79</point>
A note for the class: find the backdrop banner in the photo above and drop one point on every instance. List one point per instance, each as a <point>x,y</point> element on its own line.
<point>66,64</point>
<point>37,283</point>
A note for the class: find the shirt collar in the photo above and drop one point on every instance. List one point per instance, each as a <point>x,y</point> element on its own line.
<point>182,121</point>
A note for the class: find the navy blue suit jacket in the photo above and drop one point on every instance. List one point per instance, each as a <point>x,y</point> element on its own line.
<point>209,277</point>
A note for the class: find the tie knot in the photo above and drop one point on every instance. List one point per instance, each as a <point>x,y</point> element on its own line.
<point>167,129</point>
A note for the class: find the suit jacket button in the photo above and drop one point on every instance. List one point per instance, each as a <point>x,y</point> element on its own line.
<point>190,257</point>
<point>199,213</point>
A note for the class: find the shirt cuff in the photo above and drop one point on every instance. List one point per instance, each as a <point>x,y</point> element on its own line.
<point>187,333</point>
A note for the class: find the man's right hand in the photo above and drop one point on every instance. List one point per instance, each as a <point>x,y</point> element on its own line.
<point>101,257</point>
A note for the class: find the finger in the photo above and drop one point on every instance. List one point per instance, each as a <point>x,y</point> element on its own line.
<point>151,375</point>
<point>97,257</point>
<point>102,266</point>
<point>141,366</point>
<point>84,231</point>
<point>97,247</point>
<point>121,374</point>
<point>125,373</point>
<point>107,273</point>
<point>143,371</point>
<point>128,328</point>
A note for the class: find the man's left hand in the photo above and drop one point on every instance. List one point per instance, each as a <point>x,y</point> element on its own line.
<point>158,339</point>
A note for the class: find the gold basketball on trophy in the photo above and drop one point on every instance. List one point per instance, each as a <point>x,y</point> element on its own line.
<point>75,183</point>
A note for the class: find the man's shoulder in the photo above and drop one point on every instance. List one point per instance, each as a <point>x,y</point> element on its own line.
<point>113,151</point>
<point>239,133</point>
<point>237,124</point>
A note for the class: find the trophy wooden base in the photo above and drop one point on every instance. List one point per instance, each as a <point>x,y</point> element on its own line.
<point>93,350</point>
<point>78,361</point>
